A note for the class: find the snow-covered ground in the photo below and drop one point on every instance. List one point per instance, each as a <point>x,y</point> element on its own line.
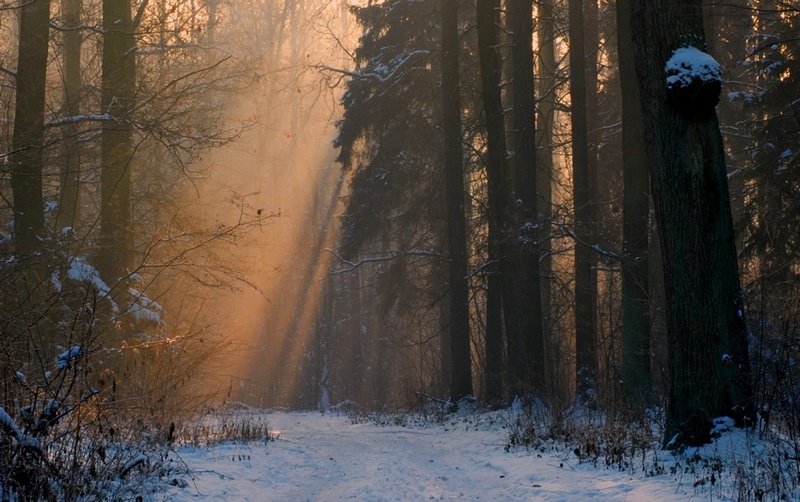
<point>328,458</point>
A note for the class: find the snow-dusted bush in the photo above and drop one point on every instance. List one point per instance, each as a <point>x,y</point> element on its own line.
<point>92,382</point>
<point>56,441</point>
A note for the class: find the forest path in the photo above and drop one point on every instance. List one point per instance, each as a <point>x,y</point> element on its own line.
<point>365,462</point>
<point>327,458</point>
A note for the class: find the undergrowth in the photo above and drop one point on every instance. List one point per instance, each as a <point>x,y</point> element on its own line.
<point>225,424</point>
<point>741,465</point>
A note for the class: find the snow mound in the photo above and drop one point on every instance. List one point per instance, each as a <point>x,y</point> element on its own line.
<point>688,65</point>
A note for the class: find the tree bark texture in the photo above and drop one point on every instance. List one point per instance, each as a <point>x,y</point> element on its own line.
<point>708,356</point>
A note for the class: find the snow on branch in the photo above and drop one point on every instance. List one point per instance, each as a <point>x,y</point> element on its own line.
<point>610,256</point>
<point>392,255</point>
<point>83,27</point>
<point>10,428</point>
<point>81,270</point>
<point>75,119</point>
<point>67,357</point>
<point>143,308</point>
<point>382,73</point>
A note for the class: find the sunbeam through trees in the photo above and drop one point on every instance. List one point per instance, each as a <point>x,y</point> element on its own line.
<point>581,214</point>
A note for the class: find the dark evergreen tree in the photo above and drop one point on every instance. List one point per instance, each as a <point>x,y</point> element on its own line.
<point>770,220</point>
<point>388,136</point>
<point>392,149</point>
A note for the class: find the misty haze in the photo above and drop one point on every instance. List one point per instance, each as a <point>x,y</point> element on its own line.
<point>399,250</point>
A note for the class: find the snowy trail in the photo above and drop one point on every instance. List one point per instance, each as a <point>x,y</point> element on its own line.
<point>365,462</point>
<point>326,458</point>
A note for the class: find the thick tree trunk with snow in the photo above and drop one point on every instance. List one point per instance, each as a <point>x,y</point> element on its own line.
<point>710,371</point>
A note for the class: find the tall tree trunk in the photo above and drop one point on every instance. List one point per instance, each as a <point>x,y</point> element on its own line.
<point>71,167</point>
<point>381,330</point>
<point>31,271</point>
<point>591,44</point>
<point>458,337</point>
<point>380,324</point>
<point>211,23</point>
<point>709,364</point>
<point>546,73</point>
<point>355,376</point>
<point>28,138</point>
<point>495,347</point>
<point>499,186</point>
<point>119,72</point>
<point>526,355</point>
<point>323,329</point>
<point>585,342</point>
<point>635,222</point>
